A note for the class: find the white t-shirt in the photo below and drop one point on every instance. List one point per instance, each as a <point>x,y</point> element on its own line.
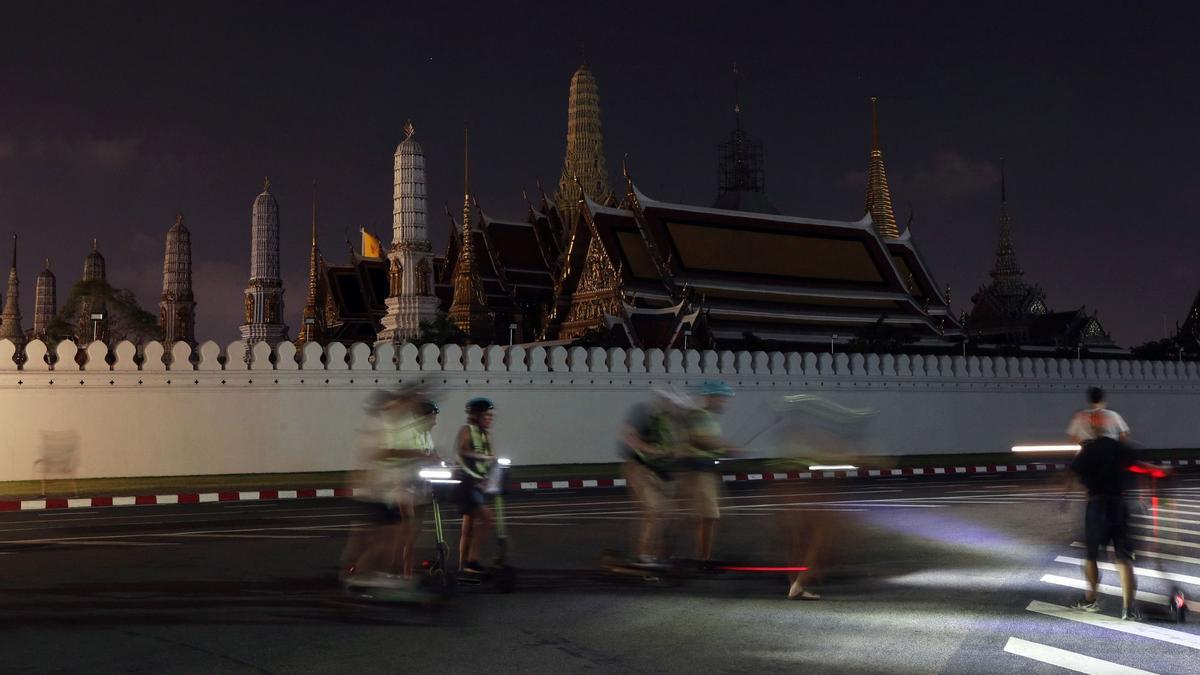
<point>1081,424</point>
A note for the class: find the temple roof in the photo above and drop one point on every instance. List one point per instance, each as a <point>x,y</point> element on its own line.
<point>763,272</point>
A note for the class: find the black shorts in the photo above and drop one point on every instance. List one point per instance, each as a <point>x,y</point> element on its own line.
<point>469,495</point>
<point>1107,522</point>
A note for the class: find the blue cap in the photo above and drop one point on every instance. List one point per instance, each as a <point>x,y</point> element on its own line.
<point>716,388</point>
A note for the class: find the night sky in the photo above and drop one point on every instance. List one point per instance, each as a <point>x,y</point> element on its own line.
<point>113,116</point>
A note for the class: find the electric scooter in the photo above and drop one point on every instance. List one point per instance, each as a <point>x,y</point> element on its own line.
<point>1160,481</point>
<point>436,584</point>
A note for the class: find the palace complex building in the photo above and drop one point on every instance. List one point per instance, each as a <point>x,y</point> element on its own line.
<point>607,264</point>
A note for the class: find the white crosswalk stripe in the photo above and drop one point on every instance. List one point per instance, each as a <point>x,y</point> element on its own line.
<point>1137,571</point>
<point>1067,659</point>
<point>1113,623</point>
<point>1150,554</point>
<point>1114,591</point>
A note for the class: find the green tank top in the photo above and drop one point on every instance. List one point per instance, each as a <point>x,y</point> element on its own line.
<point>480,445</point>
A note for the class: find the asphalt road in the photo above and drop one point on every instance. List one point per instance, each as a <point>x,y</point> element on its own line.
<point>954,574</point>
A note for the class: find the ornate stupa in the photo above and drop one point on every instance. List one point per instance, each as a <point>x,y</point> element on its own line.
<point>879,195</point>
<point>45,302</point>
<point>410,300</point>
<point>177,306</point>
<point>264,293</point>
<point>583,170</point>
<point>10,319</point>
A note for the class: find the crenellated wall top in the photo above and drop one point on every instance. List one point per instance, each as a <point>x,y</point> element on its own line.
<point>535,359</point>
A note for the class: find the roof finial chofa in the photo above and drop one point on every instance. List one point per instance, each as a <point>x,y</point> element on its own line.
<point>408,129</point>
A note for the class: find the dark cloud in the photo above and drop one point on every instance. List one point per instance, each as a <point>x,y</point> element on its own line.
<point>951,175</point>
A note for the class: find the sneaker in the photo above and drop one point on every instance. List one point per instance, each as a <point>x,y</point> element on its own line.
<point>1088,605</point>
<point>1131,614</point>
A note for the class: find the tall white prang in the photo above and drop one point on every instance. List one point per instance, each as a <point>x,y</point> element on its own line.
<point>410,259</point>
<point>264,293</point>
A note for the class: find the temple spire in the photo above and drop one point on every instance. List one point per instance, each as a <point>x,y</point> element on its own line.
<point>468,311</point>
<point>585,148</point>
<point>879,195</point>
<point>10,319</point>
<point>312,327</point>
<point>45,302</point>
<point>177,304</point>
<point>1006,272</point>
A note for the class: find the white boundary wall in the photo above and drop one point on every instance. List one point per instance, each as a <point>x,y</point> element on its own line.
<point>233,412</point>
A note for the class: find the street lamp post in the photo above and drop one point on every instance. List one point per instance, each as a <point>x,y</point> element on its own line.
<point>512,327</point>
<point>832,338</point>
<point>687,332</point>
<point>96,319</point>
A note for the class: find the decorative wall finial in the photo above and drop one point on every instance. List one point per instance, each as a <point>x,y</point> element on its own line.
<point>408,129</point>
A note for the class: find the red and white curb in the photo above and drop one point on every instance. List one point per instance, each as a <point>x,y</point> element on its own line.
<point>815,475</point>
<point>180,498</point>
<point>572,484</point>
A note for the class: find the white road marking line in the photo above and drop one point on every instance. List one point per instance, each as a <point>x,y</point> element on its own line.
<point>1165,542</point>
<point>1150,554</point>
<point>1170,519</point>
<point>1164,528</point>
<point>1138,571</point>
<point>1067,659</point>
<point>234,505</point>
<point>1132,627</point>
<point>73,513</point>
<point>1115,591</point>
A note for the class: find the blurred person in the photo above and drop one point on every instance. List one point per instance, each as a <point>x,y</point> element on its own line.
<point>809,536</point>
<point>650,440</point>
<point>394,438</point>
<point>476,456</point>
<point>417,439</point>
<point>703,446</point>
<point>1082,427</point>
<point>1102,465</point>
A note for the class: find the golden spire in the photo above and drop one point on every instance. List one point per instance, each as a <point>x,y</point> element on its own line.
<point>585,148</point>
<point>879,195</point>
<point>468,311</point>
<point>312,328</point>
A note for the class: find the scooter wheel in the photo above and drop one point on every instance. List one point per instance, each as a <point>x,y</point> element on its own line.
<point>1178,607</point>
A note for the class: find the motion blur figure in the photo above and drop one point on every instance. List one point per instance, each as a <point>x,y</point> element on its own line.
<point>396,443</point>
<point>58,456</point>
<point>703,447</point>
<point>650,440</point>
<point>475,456</point>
